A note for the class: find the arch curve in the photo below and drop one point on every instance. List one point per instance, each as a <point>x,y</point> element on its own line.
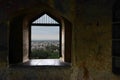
<point>20,33</point>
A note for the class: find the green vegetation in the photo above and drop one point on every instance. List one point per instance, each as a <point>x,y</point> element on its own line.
<point>50,52</point>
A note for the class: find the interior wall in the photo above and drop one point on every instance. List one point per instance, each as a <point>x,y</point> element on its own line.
<point>91,40</point>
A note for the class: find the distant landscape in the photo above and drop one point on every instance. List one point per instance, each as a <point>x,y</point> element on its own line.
<point>45,49</point>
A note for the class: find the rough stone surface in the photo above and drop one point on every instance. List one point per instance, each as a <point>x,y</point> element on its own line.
<point>91,43</point>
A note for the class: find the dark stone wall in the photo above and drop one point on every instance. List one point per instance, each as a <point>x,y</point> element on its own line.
<point>91,42</point>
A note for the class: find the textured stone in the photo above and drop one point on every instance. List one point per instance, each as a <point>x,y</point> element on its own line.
<point>91,46</point>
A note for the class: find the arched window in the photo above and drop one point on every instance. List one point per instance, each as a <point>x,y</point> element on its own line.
<point>45,38</point>
<point>44,33</point>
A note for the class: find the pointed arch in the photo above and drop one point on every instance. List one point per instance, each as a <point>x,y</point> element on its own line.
<point>20,34</point>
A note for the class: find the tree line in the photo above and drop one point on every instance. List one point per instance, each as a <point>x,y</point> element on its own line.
<point>50,52</point>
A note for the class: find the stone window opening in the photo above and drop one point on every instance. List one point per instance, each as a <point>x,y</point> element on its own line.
<point>45,38</point>
<point>20,41</point>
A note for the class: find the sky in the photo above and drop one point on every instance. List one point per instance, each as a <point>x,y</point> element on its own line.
<point>44,32</point>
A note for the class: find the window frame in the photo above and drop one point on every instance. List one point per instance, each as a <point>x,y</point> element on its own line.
<point>23,29</point>
<point>45,24</point>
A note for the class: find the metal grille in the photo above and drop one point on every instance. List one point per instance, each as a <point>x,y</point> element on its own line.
<point>45,19</point>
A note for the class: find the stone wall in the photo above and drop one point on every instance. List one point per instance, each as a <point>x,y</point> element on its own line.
<point>91,43</point>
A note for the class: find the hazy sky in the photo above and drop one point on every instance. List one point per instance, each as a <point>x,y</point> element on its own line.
<point>45,33</point>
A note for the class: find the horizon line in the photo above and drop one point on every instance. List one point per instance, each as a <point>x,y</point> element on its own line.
<point>45,40</point>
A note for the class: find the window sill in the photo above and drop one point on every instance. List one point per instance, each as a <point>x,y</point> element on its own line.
<point>43,63</point>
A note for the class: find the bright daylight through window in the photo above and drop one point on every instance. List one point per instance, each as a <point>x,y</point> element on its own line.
<point>45,38</point>
<point>44,41</point>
